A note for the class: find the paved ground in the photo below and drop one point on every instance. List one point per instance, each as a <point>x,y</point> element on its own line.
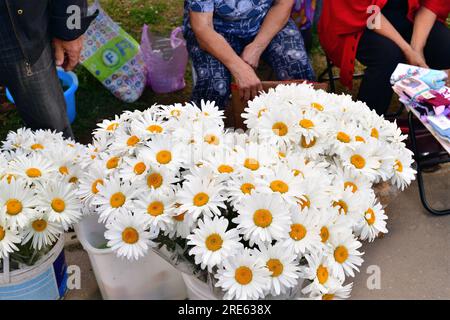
<point>413,260</point>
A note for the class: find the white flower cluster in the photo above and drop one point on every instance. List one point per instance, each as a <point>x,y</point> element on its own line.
<point>259,210</point>
<point>38,189</point>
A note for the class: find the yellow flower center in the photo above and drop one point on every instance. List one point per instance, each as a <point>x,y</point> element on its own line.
<point>180,217</point>
<point>328,296</point>
<point>112,163</point>
<point>39,225</point>
<point>13,207</point>
<point>324,234</point>
<point>73,180</point>
<point>164,157</point>
<point>225,169</point>
<point>37,146</point>
<point>130,235</point>
<point>247,188</point>
<point>214,242</point>
<point>58,205</point>
<point>211,139</point>
<point>297,173</point>
<point>243,275</point>
<point>307,145</point>
<point>175,113</point>
<point>358,161</point>
<point>117,200</point>
<point>281,155</point>
<point>154,180</point>
<point>2,233</point>
<point>341,254</point>
<point>322,274</point>
<point>342,206</point>
<point>113,126</point>
<point>306,124</point>
<point>154,128</point>
<point>370,216</point>
<point>33,173</point>
<point>398,166</point>
<point>360,139</point>
<point>94,187</point>
<point>343,137</point>
<point>251,164</point>
<point>139,168</point>
<point>351,185</point>
<point>64,170</point>
<point>200,199</point>
<point>262,218</point>
<point>275,266</point>
<point>261,111</point>
<point>279,186</point>
<point>280,129</point>
<point>156,208</point>
<point>304,202</point>
<point>317,106</point>
<point>374,133</point>
<point>298,232</point>
<point>132,141</point>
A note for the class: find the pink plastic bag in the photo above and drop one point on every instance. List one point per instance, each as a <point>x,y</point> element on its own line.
<point>166,60</point>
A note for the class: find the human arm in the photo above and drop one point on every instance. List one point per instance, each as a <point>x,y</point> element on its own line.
<point>275,20</point>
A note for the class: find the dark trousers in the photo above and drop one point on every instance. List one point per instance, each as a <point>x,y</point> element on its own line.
<point>38,94</point>
<point>381,56</point>
<point>286,54</point>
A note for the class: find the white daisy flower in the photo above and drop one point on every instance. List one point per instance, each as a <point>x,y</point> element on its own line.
<point>403,172</point>
<point>343,255</point>
<point>241,186</point>
<point>59,201</point>
<point>148,124</point>
<point>109,126</point>
<point>372,222</point>
<point>263,218</point>
<point>284,268</point>
<point>183,223</point>
<point>94,176</point>
<point>162,151</point>
<point>338,292</point>
<point>9,238</point>
<point>319,273</point>
<point>40,231</point>
<point>278,126</point>
<point>127,236</point>
<point>303,234</point>
<point>212,243</point>
<point>243,277</point>
<point>157,207</point>
<point>17,202</point>
<point>161,179</point>
<point>125,142</point>
<point>201,197</point>
<point>114,198</point>
<point>32,168</point>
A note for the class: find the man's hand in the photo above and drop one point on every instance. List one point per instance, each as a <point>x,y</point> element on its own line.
<point>247,81</point>
<point>252,54</point>
<point>67,53</point>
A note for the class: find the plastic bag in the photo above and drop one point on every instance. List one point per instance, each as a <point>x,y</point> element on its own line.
<point>166,60</point>
<point>114,57</point>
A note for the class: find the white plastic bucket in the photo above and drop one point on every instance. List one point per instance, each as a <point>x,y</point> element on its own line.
<point>46,280</point>
<point>196,289</point>
<point>150,278</point>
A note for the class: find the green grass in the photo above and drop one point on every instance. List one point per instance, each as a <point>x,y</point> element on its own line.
<point>95,103</point>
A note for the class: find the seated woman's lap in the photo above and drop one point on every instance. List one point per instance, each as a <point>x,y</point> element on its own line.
<point>286,54</point>
<point>437,49</point>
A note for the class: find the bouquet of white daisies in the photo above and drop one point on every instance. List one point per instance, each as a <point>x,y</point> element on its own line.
<point>38,193</point>
<point>255,213</point>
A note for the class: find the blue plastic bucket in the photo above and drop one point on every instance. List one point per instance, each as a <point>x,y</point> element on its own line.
<point>46,280</point>
<point>70,80</point>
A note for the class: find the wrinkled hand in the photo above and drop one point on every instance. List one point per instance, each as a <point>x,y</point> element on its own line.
<point>67,53</point>
<point>416,58</point>
<point>247,81</point>
<point>252,54</point>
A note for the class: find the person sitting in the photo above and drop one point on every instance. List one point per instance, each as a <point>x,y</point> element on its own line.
<point>228,38</point>
<point>404,31</point>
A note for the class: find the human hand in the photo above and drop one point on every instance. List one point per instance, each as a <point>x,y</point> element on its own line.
<point>248,82</point>
<point>416,58</point>
<point>67,53</point>
<point>252,54</point>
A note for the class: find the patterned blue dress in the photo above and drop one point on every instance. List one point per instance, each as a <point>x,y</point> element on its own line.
<point>239,21</point>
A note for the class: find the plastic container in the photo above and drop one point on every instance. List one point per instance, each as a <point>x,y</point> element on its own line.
<point>150,278</point>
<point>196,289</point>
<point>46,280</point>
<point>70,80</point>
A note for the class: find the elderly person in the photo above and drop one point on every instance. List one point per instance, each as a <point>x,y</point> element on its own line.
<point>408,31</point>
<point>228,38</point>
